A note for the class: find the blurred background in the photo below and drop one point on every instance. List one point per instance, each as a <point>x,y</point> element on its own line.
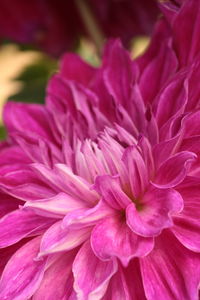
<point>35,34</point>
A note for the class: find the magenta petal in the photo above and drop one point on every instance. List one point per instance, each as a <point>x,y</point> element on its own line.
<point>61,204</point>
<point>186,225</point>
<point>19,224</point>
<point>122,285</point>
<point>157,208</point>
<point>57,283</point>
<point>57,239</point>
<point>112,237</point>
<point>137,169</point>
<point>22,275</point>
<point>93,283</point>
<point>118,65</point>
<point>32,119</point>
<point>173,171</point>
<point>171,271</point>
<point>87,217</point>
<point>110,190</point>
<point>74,68</point>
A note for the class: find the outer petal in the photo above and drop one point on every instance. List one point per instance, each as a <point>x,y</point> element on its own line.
<point>112,237</point>
<point>186,225</point>
<point>126,284</point>
<point>157,208</point>
<point>168,272</point>
<point>21,223</point>
<point>22,275</point>
<point>32,118</point>
<point>57,239</point>
<point>57,283</point>
<point>173,171</point>
<point>87,285</point>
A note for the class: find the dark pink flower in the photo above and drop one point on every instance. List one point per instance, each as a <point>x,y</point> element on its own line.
<point>56,25</point>
<point>100,187</point>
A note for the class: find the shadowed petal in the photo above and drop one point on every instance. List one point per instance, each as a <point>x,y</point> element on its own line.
<point>126,284</point>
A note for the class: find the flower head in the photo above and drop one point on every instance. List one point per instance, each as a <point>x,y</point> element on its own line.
<point>100,187</point>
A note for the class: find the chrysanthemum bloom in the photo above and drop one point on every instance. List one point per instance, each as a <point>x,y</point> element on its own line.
<point>56,25</point>
<point>100,187</point>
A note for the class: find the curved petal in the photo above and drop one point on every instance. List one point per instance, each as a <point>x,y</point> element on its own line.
<point>168,271</point>
<point>86,284</point>
<point>61,204</point>
<point>22,274</point>
<point>109,188</point>
<point>19,224</point>
<point>155,214</point>
<point>57,239</point>
<point>173,171</point>
<point>186,226</point>
<point>112,237</point>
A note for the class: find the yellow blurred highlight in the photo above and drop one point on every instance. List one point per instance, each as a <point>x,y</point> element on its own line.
<point>12,63</point>
<point>139,45</point>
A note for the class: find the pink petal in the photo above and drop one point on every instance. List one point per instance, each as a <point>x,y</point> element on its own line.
<point>93,283</point>
<point>187,45</point>
<point>137,169</point>
<point>59,205</point>
<point>172,100</point>
<point>168,271</point>
<point>173,171</point>
<point>126,284</point>
<point>19,224</point>
<point>117,67</point>
<point>32,118</point>
<point>57,283</point>
<point>74,68</point>
<point>186,225</point>
<point>8,204</point>
<point>22,275</point>
<point>110,190</point>
<point>157,208</point>
<point>57,239</point>
<point>87,217</point>
<point>112,237</point>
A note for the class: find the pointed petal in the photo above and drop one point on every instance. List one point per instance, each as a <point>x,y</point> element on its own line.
<point>61,204</point>
<point>22,275</point>
<point>168,271</point>
<point>86,284</point>
<point>21,223</point>
<point>112,237</point>
<point>57,239</point>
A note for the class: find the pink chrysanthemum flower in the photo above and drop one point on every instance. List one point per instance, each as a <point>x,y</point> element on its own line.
<point>100,187</point>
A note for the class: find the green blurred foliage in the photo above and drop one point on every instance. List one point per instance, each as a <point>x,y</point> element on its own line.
<point>34,79</point>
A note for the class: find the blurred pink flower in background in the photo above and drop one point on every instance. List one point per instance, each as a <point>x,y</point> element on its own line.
<point>100,187</point>
<point>56,25</point>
